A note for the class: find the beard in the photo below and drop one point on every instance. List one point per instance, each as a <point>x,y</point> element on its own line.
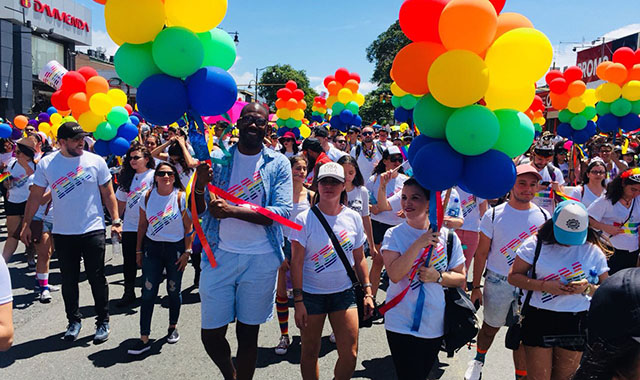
<point>251,141</point>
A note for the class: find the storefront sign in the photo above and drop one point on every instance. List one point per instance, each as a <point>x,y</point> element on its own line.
<point>55,13</point>
<point>589,59</point>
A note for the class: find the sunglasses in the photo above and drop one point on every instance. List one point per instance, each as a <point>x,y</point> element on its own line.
<point>598,172</point>
<point>248,120</point>
<point>288,140</point>
<point>367,133</point>
<point>341,141</point>
<point>135,158</point>
<point>164,174</point>
<point>395,158</point>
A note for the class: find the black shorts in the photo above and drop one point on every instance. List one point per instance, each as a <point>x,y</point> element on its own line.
<point>14,209</point>
<point>379,229</point>
<point>546,328</point>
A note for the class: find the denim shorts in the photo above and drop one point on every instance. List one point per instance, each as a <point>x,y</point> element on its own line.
<point>329,303</point>
<point>498,299</point>
<point>46,226</point>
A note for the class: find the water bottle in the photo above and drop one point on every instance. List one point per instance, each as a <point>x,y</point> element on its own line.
<point>116,248</point>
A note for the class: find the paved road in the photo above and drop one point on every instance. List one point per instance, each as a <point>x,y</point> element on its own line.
<point>40,353</point>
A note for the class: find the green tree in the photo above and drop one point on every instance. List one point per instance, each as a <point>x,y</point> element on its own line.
<point>275,77</point>
<point>374,110</point>
<point>383,50</point>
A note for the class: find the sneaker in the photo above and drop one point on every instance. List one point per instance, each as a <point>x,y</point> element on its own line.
<point>102,333</point>
<point>45,296</point>
<point>474,371</point>
<point>53,288</point>
<point>139,348</point>
<point>126,300</point>
<point>283,346</point>
<point>332,338</point>
<point>173,336</point>
<point>73,330</point>
<point>31,264</point>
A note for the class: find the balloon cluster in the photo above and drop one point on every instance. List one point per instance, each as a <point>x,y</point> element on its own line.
<point>576,104</point>
<point>290,109</point>
<point>463,52</point>
<point>619,98</point>
<point>319,109</point>
<point>172,52</point>
<point>403,102</point>
<point>344,99</point>
<point>536,114</point>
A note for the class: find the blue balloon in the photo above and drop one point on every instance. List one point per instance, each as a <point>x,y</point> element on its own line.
<point>51,110</point>
<point>119,146</point>
<point>583,135</point>
<point>608,123</point>
<point>565,130</point>
<point>317,118</point>
<point>346,116</point>
<point>437,166</point>
<point>417,144</point>
<point>128,131</point>
<point>162,99</point>
<point>401,114</point>
<point>489,175</point>
<point>337,123</point>
<point>211,91</point>
<point>134,120</point>
<point>630,122</point>
<point>5,131</point>
<point>43,117</point>
<point>101,148</point>
<point>357,121</point>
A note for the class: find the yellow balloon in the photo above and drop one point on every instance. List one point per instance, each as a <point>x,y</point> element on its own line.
<point>44,127</point>
<point>54,131</point>
<point>631,91</point>
<point>69,118</point>
<point>458,78</point>
<point>305,131</point>
<point>345,95</point>
<point>100,104</point>
<point>135,22</point>
<point>297,114</point>
<point>118,97</point>
<point>359,99</point>
<point>198,15</point>
<point>576,105</point>
<point>608,92</point>
<point>396,90</point>
<point>331,101</point>
<point>403,127</point>
<point>89,121</point>
<point>283,113</point>
<point>589,97</point>
<point>522,54</point>
<point>517,97</point>
<point>55,119</point>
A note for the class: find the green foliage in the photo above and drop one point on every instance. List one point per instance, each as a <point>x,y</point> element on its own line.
<point>373,110</point>
<point>281,74</point>
<point>383,50</point>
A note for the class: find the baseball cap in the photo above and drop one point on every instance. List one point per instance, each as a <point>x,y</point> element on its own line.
<point>394,150</point>
<point>528,169</point>
<point>615,307</point>
<point>321,132</point>
<point>570,223</point>
<point>544,146</point>
<point>312,144</point>
<point>331,169</point>
<point>70,130</point>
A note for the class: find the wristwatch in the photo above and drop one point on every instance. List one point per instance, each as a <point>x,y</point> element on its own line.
<point>116,222</point>
<point>439,281</point>
<point>189,251</point>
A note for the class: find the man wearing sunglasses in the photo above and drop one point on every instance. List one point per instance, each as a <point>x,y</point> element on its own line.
<point>615,166</point>
<point>322,135</point>
<point>247,245</point>
<point>552,177</point>
<point>367,153</point>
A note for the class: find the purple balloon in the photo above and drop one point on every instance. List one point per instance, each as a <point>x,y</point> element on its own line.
<point>33,123</point>
<point>43,118</point>
<point>16,134</point>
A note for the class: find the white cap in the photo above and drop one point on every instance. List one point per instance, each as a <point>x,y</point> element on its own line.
<point>331,169</point>
<point>394,150</point>
<point>570,223</point>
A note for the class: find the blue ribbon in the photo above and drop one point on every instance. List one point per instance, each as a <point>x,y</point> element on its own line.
<point>199,141</point>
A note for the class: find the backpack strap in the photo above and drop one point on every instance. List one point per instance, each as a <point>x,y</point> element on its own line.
<point>449,247</point>
<point>146,197</point>
<point>551,171</point>
<point>358,150</point>
<point>493,214</point>
<point>582,192</point>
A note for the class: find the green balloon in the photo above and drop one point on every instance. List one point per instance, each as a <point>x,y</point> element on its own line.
<point>219,49</point>
<point>516,132</point>
<point>603,108</point>
<point>431,117</point>
<point>589,113</point>
<point>134,63</point>
<point>178,52</point>
<point>537,127</point>
<point>409,102</point>
<point>280,122</point>
<point>472,130</point>
<point>353,107</point>
<point>565,116</point>
<point>579,122</point>
<point>635,107</point>
<point>118,116</point>
<point>337,108</point>
<point>105,131</point>
<point>396,101</point>
<point>621,107</point>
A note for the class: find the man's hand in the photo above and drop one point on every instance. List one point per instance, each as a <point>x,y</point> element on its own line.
<point>204,174</point>
<point>220,209</point>
<point>117,230</point>
<point>25,235</point>
<point>182,261</point>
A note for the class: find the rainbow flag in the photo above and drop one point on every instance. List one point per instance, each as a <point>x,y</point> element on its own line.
<point>628,228</point>
<point>564,197</point>
<point>4,176</point>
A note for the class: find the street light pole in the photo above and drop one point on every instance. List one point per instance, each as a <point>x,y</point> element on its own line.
<point>257,80</point>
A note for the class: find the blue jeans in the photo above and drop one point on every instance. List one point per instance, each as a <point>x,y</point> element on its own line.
<point>159,256</point>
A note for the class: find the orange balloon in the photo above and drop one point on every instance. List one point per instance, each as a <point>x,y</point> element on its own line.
<point>602,67</point>
<point>352,85</point>
<point>559,101</point>
<point>634,73</point>
<point>64,113</point>
<point>537,114</point>
<point>96,85</point>
<point>20,121</point>
<point>530,114</point>
<point>468,25</point>
<point>334,87</point>
<point>412,63</point>
<point>576,88</point>
<point>292,104</point>
<point>281,103</point>
<point>509,21</point>
<point>78,103</point>
<point>302,104</point>
<point>616,73</point>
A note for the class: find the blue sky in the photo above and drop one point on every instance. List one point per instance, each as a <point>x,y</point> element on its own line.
<point>321,36</point>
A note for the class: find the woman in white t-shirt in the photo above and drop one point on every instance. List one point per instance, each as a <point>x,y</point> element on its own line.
<point>403,249</point>
<point>166,230</point>
<point>180,157</point>
<point>593,186</point>
<point>559,285</point>
<point>135,180</point>
<point>321,285</point>
<point>617,214</point>
<point>6,308</point>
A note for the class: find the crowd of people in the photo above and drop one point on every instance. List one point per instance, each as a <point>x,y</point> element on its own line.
<point>553,260</point>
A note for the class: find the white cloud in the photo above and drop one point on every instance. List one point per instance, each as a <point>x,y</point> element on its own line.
<point>101,39</point>
<point>367,87</point>
<point>242,79</point>
<point>622,32</point>
<point>314,79</point>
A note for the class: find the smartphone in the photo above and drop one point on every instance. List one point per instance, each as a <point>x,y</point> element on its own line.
<point>545,183</point>
<point>477,305</point>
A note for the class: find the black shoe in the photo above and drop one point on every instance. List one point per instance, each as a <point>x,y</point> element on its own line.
<point>126,300</point>
<point>139,348</point>
<point>172,335</point>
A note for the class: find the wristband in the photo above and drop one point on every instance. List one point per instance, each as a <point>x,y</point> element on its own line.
<point>476,287</point>
<point>297,301</point>
<point>368,296</point>
<point>367,285</point>
<point>201,192</point>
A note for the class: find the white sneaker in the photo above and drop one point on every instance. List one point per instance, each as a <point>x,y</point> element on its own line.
<point>53,288</point>
<point>45,296</point>
<point>474,371</point>
<point>332,338</point>
<point>283,346</point>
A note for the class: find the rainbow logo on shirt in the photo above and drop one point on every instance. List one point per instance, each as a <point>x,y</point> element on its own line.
<point>135,195</point>
<point>544,194</point>
<point>628,228</point>
<point>162,219</point>
<point>21,181</point>
<point>566,275</point>
<point>67,183</point>
<point>248,189</point>
<point>327,256</point>
<point>468,205</point>
<point>438,261</point>
<point>509,250</point>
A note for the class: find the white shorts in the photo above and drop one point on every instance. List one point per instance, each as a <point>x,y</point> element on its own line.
<point>498,297</point>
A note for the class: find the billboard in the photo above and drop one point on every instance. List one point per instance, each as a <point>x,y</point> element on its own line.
<point>589,59</point>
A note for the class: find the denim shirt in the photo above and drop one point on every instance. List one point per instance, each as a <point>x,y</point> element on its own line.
<point>277,196</point>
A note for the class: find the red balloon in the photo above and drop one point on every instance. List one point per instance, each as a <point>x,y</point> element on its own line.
<point>128,108</point>
<point>498,5</point>
<point>558,86</point>
<point>419,19</point>
<point>572,74</point>
<point>553,74</point>
<point>355,77</point>
<point>60,99</point>
<point>328,80</point>
<point>342,75</point>
<point>284,93</point>
<point>537,104</point>
<point>298,94</point>
<point>291,85</point>
<point>626,56</point>
<point>88,72</point>
<point>637,60</point>
<point>73,82</point>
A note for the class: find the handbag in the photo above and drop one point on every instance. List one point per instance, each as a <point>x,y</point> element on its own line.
<point>514,334</point>
<point>357,286</point>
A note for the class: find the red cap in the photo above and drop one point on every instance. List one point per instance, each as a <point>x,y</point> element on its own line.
<point>528,169</point>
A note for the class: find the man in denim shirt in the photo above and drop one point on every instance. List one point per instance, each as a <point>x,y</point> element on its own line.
<point>247,245</point>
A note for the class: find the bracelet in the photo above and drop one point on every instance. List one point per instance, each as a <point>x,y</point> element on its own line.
<point>476,287</point>
<point>297,292</point>
<point>198,192</point>
<point>139,252</point>
<point>368,296</point>
<point>367,285</point>
<point>297,301</point>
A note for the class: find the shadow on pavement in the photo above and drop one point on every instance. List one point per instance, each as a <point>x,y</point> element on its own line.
<point>119,355</point>
<point>53,343</point>
<point>267,355</point>
<point>377,369</point>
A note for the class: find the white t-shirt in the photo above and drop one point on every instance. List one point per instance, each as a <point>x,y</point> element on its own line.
<point>246,184</point>
<point>558,262</point>
<point>453,207</point>
<point>358,200</point>
<point>164,216</point>
<point>564,168</point>
<point>366,165</point>
<point>5,283</point>
<point>140,184</point>
<point>6,158</point>
<point>469,204</point>
<point>587,198</point>
<point>297,209</point>
<point>323,271</point>
<point>399,319</point>
<point>394,187</point>
<point>335,154</point>
<point>289,154</point>
<point>75,181</point>
<point>185,176</point>
<point>544,198</point>
<point>385,144</point>
<point>604,212</point>
<point>42,213</point>
<point>20,182</point>
<point>508,230</point>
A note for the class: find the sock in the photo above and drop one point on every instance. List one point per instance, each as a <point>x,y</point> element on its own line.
<point>282,308</point>
<point>43,280</point>
<point>521,374</point>
<point>480,355</point>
